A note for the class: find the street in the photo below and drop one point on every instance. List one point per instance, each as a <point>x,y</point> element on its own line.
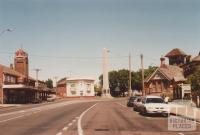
<point>80,117</point>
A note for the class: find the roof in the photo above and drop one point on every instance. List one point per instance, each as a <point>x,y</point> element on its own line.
<point>175,52</point>
<point>10,71</point>
<point>196,59</point>
<point>62,81</point>
<point>13,72</point>
<point>81,78</point>
<point>170,72</point>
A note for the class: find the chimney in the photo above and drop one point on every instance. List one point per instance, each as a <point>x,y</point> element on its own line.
<point>188,59</point>
<point>11,66</point>
<point>162,61</point>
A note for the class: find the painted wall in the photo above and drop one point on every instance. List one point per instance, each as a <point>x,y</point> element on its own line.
<point>80,88</point>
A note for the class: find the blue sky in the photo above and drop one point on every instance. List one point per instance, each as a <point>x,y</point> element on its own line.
<point>74,32</point>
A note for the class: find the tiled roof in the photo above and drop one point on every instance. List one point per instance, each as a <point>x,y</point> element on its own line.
<point>13,72</point>
<point>62,81</point>
<point>170,72</point>
<point>197,58</point>
<point>175,52</point>
<point>10,71</point>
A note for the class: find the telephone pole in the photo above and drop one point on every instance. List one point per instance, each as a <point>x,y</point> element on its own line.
<point>37,71</point>
<point>142,70</point>
<point>129,90</point>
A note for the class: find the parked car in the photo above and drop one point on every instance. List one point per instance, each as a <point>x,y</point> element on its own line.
<point>36,101</point>
<point>154,105</point>
<point>130,101</point>
<point>51,98</point>
<point>137,103</point>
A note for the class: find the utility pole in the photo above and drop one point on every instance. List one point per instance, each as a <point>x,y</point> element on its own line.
<point>106,89</point>
<point>37,71</point>
<point>129,90</point>
<point>56,80</point>
<point>142,70</point>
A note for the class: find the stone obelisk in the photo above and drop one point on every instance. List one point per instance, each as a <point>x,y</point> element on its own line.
<point>106,89</point>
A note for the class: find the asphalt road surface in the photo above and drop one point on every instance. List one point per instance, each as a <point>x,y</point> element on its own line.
<point>82,117</point>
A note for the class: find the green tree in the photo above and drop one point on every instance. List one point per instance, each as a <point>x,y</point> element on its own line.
<point>49,83</point>
<point>194,79</point>
<point>119,79</point>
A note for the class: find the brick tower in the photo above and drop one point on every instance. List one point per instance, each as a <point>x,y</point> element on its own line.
<point>21,62</point>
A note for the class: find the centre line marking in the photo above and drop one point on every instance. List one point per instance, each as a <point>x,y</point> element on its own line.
<point>69,124</point>
<point>65,128</point>
<point>60,133</point>
<point>80,130</point>
<point>74,121</point>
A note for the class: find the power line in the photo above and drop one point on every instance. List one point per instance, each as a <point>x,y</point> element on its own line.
<point>66,57</point>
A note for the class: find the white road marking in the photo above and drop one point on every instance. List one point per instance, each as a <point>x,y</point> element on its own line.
<point>69,124</point>
<point>74,121</point>
<point>60,133</point>
<point>65,128</point>
<point>80,130</point>
<point>12,118</point>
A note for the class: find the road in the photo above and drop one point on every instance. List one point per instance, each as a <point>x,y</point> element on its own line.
<point>83,117</point>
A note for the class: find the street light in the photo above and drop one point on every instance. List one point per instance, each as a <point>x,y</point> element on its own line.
<point>5,30</point>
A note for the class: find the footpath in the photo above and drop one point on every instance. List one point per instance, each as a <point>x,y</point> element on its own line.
<point>185,109</point>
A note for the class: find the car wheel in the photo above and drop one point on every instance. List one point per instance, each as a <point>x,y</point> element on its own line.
<point>144,112</point>
<point>134,109</point>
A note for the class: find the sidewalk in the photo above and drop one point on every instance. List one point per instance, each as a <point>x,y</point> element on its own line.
<point>8,105</point>
<point>186,110</point>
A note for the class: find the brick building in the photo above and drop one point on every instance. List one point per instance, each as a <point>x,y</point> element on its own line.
<point>16,86</point>
<point>169,79</point>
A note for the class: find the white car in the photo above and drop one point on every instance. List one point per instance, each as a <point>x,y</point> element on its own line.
<point>51,98</point>
<point>154,105</point>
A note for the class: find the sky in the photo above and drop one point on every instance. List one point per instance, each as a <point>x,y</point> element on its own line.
<point>65,38</point>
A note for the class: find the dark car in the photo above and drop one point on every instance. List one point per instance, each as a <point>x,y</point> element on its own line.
<point>130,101</point>
<point>36,101</point>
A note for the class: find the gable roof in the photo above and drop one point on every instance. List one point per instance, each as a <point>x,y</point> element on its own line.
<point>196,59</point>
<point>170,72</point>
<point>175,52</point>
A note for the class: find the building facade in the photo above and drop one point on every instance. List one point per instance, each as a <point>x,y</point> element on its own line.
<point>76,87</point>
<point>169,79</point>
<point>16,86</point>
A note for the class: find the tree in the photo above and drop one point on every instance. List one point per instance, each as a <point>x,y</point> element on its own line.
<point>194,79</point>
<point>49,83</point>
<point>118,80</point>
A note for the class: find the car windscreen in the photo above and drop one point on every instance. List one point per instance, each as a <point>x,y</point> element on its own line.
<point>154,100</point>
